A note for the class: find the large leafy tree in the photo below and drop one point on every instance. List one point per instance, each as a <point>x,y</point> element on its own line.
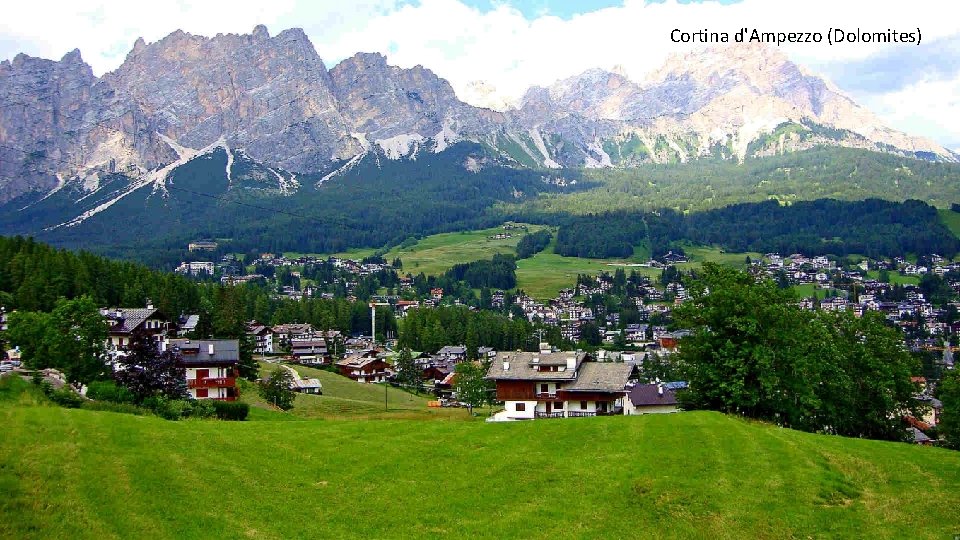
<point>76,341</point>
<point>146,371</point>
<point>408,373</point>
<point>753,352</point>
<point>949,394</point>
<point>277,388</point>
<point>30,330</point>
<point>471,385</point>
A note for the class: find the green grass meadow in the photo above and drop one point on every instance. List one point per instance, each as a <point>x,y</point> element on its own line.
<point>344,398</point>
<point>84,474</point>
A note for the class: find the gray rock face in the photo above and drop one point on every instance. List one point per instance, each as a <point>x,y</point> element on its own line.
<point>273,98</point>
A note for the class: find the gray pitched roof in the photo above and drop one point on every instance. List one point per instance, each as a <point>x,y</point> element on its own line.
<point>125,320</point>
<point>645,395</point>
<point>601,377</point>
<point>529,366</point>
<point>197,351</point>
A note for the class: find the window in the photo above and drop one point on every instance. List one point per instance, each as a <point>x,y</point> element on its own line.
<point>202,392</point>
<point>558,405</point>
<point>544,388</point>
<point>521,407</point>
<point>583,405</point>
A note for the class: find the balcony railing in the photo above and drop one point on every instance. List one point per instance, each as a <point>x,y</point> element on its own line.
<point>546,395</point>
<point>212,382</point>
<point>539,414</point>
<point>581,414</point>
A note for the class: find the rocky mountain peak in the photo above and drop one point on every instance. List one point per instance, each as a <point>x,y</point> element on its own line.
<point>260,33</point>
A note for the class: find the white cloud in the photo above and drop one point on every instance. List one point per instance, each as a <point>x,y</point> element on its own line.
<point>500,46</point>
<point>927,107</point>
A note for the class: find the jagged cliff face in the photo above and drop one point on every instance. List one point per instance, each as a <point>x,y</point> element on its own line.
<point>271,100</point>
<point>271,96</point>
<point>401,109</point>
<point>717,102</point>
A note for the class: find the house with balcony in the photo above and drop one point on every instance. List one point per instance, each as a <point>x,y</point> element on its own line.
<point>311,351</point>
<point>210,367</point>
<point>364,367</point>
<point>547,384</point>
<point>262,337</point>
<point>124,322</point>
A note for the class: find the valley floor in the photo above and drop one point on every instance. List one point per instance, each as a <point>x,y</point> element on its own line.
<point>85,474</point>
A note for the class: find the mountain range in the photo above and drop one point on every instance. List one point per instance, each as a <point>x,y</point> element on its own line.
<point>188,121</point>
<point>272,99</point>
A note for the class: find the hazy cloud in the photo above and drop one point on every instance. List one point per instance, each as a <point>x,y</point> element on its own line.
<point>514,48</point>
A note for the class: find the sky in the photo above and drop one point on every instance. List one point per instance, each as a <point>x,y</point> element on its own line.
<point>513,44</point>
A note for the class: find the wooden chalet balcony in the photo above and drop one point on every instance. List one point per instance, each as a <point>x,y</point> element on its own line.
<point>212,382</point>
<point>546,395</point>
<point>539,414</point>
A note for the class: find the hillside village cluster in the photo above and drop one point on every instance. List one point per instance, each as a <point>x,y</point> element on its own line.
<point>550,383</point>
<point>623,318</point>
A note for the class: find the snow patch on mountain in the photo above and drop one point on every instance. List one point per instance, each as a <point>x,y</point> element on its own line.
<point>342,169</point>
<point>400,146</point>
<point>548,162</point>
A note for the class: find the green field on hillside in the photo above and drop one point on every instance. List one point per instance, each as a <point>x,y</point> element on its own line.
<point>433,255</point>
<point>895,278</point>
<point>83,474</point>
<point>952,220</point>
<point>344,398</point>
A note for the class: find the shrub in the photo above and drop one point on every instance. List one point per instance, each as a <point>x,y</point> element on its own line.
<point>109,391</point>
<point>231,410</point>
<point>66,398</point>
<point>172,409</point>
<point>202,408</point>
<point>107,406</point>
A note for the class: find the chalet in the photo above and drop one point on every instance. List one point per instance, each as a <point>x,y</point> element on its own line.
<point>262,337</point>
<point>548,384</point>
<point>309,351</point>
<point>210,366</point>
<point>304,386</point>
<point>455,353</point>
<point>364,367</point>
<point>651,398</point>
<point>284,333</point>
<point>124,322</point>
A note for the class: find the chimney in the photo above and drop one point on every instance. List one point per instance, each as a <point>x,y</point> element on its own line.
<point>119,313</point>
<point>506,365</point>
<point>545,348</point>
<point>149,304</point>
<point>210,348</point>
<point>571,363</point>
<point>659,389</point>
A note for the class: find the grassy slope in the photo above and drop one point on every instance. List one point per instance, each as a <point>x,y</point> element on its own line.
<point>952,220</point>
<point>82,474</point>
<point>435,254</point>
<point>344,398</point>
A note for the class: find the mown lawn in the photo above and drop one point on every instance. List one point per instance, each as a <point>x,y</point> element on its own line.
<point>344,398</point>
<point>84,474</point>
<point>434,255</point>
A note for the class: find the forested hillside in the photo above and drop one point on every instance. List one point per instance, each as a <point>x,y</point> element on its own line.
<point>872,227</point>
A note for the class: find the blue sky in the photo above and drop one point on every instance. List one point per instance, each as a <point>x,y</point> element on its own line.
<point>565,9</point>
<point>513,44</point>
